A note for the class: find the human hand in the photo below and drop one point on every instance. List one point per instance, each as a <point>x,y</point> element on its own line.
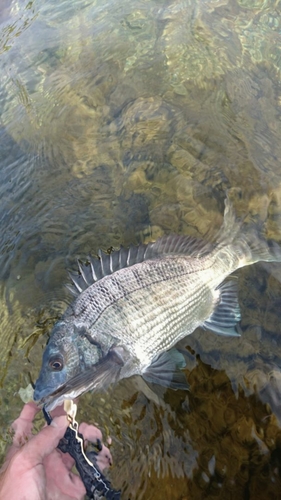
<point>35,470</point>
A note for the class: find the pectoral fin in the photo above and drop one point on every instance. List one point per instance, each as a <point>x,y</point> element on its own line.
<point>165,370</point>
<point>225,318</point>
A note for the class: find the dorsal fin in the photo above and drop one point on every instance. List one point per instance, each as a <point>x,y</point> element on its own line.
<point>173,244</point>
<point>106,264</point>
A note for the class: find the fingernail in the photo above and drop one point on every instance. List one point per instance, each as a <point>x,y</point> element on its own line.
<point>59,422</point>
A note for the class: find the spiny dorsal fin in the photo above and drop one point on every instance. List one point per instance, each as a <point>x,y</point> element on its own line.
<point>105,264</point>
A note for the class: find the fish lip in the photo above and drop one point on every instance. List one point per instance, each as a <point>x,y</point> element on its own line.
<point>41,401</point>
<point>61,393</point>
<point>48,403</point>
<point>48,396</point>
<point>57,397</point>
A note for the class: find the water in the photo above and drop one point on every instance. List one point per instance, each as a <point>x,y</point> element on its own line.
<point>123,121</point>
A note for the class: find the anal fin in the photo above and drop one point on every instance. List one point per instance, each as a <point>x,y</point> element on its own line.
<point>226,316</point>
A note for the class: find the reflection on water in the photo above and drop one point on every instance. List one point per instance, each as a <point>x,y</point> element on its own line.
<point>122,121</point>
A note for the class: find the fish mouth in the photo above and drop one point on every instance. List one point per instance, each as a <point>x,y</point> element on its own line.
<point>75,387</point>
<point>103,374</point>
<point>57,397</point>
<point>41,396</point>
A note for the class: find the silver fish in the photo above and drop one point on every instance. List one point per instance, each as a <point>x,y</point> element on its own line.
<point>134,305</point>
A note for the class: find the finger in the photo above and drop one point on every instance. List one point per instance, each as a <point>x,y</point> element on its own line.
<point>58,411</point>
<point>23,424</point>
<point>46,441</point>
<point>67,460</point>
<point>60,479</point>
<point>104,458</point>
<point>90,432</point>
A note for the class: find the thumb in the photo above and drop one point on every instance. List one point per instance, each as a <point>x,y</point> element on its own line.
<point>45,441</point>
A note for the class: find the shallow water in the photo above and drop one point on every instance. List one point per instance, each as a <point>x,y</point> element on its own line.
<point>122,121</point>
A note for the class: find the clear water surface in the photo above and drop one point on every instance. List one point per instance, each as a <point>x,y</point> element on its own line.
<point>122,121</point>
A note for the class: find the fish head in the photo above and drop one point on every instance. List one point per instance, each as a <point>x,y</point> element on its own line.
<point>75,362</point>
<point>61,361</point>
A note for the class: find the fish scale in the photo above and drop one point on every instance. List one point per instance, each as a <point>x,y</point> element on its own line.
<point>134,305</point>
<point>164,320</point>
<point>162,313</point>
<point>112,288</point>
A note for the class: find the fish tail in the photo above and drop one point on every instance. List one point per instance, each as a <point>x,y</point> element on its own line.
<point>259,249</point>
<point>249,243</point>
<point>231,226</point>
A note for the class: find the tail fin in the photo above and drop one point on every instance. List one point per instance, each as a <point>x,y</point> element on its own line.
<point>260,248</point>
<point>250,244</point>
<point>231,226</point>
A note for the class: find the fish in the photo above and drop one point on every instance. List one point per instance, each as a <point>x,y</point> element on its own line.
<point>134,305</point>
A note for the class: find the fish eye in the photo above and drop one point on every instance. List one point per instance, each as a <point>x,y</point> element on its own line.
<point>56,364</point>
